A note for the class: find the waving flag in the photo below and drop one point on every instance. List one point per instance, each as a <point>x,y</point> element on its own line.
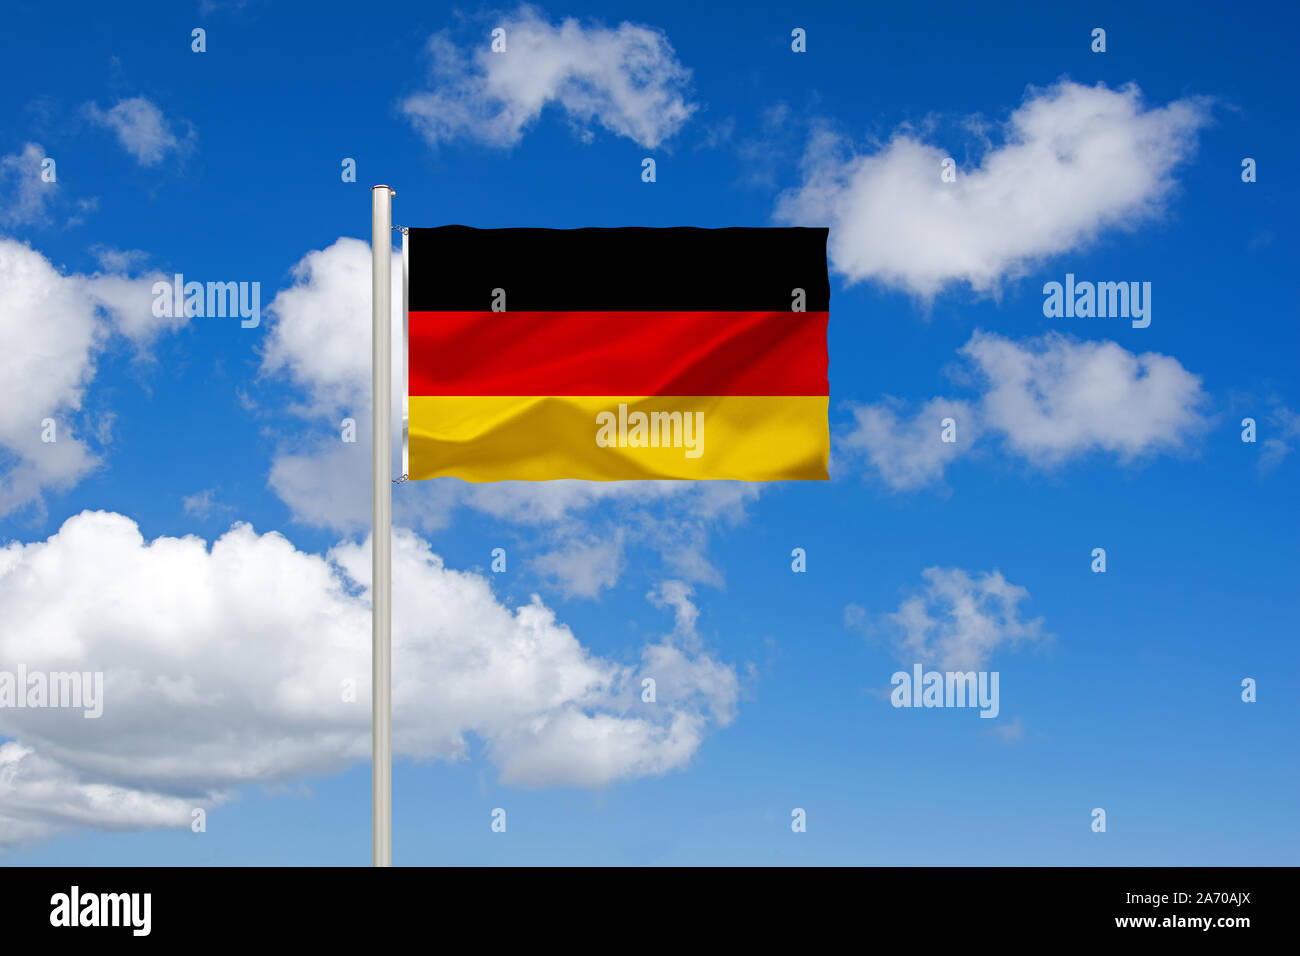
<point>617,354</point>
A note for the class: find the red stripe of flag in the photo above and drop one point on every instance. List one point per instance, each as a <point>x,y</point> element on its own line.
<point>618,353</point>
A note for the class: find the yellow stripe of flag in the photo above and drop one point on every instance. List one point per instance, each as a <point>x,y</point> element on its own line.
<point>602,438</point>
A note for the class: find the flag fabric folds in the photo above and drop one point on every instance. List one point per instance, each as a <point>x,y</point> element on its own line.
<point>617,354</point>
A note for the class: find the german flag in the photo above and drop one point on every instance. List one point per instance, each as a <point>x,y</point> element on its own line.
<point>617,354</point>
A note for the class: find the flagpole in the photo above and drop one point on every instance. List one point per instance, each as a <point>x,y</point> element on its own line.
<point>381,527</point>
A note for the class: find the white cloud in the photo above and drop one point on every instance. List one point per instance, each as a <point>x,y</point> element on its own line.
<point>326,483</point>
<point>1055,399</point>
<point>117,260</point>
<point>1076,160</point>
<point>225,666</point>
<point>1047,400</point>
<point>957,620</point>
<point>583,567</point>
<point>26,193</point>
<point>676,595</point>
<point>907,452</point>
<point>40,797</point>
<point>52,326</point>
<point>127,302</point>
<point>625,79</point>
<point>319,330</point>
<point>142,129</point>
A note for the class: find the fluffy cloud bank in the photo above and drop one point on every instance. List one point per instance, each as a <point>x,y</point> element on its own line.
<point>52,327</point>
<point>228,664</point>
<point>625,79</point>
<point>1047,400</point>
<point>1075,160</point>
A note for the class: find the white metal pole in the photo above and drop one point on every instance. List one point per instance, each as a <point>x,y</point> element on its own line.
<point>381,527</point>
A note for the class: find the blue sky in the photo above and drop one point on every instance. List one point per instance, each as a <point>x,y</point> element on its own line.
<point>222,662</point>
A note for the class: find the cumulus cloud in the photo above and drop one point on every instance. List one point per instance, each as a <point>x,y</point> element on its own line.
<point>956,620</point>
<point>1055,399</point>
<point>52,327</point>
<point>1075,160</point>
<point>318,338</point>
<point>319,327</point>
<point>142,129</point>
<point>227,665</point>
<point>625,79</point>
<point>1046,400</point>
